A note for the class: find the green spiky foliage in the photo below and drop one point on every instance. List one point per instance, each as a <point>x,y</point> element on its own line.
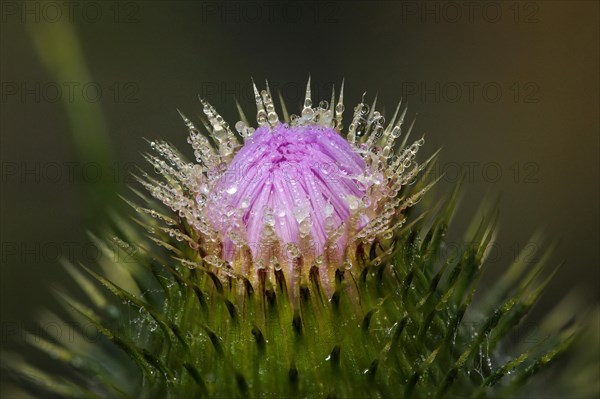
<point>395,326</point>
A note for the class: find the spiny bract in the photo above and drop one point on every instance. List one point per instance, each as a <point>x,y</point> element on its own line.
<point>291,266</point>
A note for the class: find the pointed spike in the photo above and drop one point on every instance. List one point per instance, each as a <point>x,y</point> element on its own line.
<point>185,119</point>
<point>86,285</point>
<point>243,117</point>
<point>372,110</point>
<point>410,128</point>
<point>203,150</point>
<point>512,364</point>
<point>401,120</point>
<point>205,105</point>
<point>256,93</point>
<point>219,129</point>
<point>308,96</point>
<point>188,123</point>
<point>56,387</point>
<point>543,360</point>
<point>257,96</point>
<point>431,158</point>
<point>286,115</point>
<point>272,117</point>
<point>206,125</point>
<point>332,102</point>
<point>55,350</point>
<point>339,108</point>
<point>307,111</point>
<point>351,135</point>
<point>261,114</point>
<point>393,120</point>
<point>90,316</point>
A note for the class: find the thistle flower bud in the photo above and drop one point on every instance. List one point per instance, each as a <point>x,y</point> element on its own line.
<point>289,191</point>
<point>297,193</point>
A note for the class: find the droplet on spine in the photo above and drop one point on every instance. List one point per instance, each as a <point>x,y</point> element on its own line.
<point>272,117</point>
<point>339,108</point>
<point>307,97</point>
<point>261,114</point>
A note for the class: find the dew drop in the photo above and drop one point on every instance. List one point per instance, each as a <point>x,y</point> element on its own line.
<point>268,218</point>
<point>293,250</point>
<point>245,203</point>
<point>352,202</point>
<point>328,209</point>
<point>240,126</point>
<point>366,201</point>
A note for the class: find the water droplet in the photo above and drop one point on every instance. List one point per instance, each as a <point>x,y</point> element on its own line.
<point>240,126</point>
<point>328,209</point>
<point>305,226</point>
<point>245,203</point>
<point>268,218</point>
<point>352,202</point>
<point>366,201</point>
<point>302,212</point>
<point>293,250</point>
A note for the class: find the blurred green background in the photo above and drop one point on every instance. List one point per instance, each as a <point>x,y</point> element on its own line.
<point>510,91</point>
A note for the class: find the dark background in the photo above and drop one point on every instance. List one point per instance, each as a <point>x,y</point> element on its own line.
<point>510,90</point>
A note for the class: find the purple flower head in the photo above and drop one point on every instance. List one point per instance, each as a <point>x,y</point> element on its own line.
<point>296,182</point>
<point>296,195</point>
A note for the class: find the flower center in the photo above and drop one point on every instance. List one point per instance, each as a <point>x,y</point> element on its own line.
<point>298,184</point>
